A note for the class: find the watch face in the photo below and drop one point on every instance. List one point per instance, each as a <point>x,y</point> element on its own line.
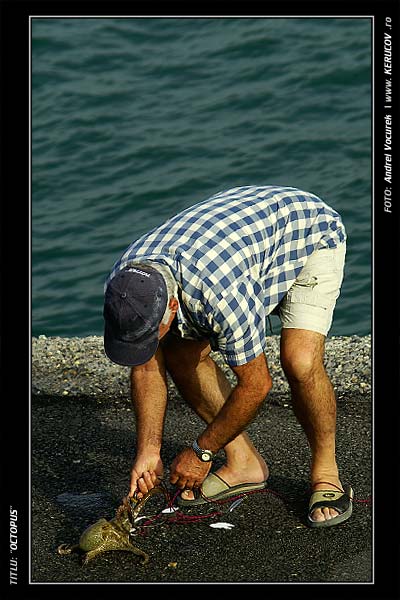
<point>204,455</point>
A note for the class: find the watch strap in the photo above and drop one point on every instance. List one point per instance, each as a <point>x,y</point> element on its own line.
<point>201,452</point>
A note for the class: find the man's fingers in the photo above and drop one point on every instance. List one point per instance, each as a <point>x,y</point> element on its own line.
<point>147,477</point>
<point>141,484</point>
<point>173,479</point>
<point>182,482</point>
<point>133,487</point>
<point>146,482</point>
<point>155,478</point>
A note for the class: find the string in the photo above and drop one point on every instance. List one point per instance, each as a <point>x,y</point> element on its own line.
<point>180,518</point>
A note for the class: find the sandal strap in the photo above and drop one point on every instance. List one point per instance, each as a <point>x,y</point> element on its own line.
<point>340,504</point>
<point>327,483</point>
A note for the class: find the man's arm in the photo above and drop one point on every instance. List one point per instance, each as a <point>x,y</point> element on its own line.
<point>149,399</point>
<point>254,383</point>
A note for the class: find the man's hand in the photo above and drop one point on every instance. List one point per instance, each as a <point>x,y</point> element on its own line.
<point>149,399</point>
<point>187,471</point>
<point>145,474</point>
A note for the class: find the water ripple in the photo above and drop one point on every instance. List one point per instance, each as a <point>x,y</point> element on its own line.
<point>135,119</point>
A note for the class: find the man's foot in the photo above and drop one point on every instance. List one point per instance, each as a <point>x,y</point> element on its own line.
<point>340,500</point>
<point>215,489</point>
<point>325,513</point>
<point>257,474</point>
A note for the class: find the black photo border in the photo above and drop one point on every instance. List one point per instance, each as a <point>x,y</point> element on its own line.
<point>16,282</point>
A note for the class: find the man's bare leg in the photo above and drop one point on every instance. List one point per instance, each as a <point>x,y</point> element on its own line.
<point>314,404</point>
<point>205,388</point>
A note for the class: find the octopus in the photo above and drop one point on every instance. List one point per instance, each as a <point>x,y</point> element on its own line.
<point>114,534</point>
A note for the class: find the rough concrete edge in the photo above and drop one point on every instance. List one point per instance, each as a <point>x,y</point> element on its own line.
<point>77,367</point>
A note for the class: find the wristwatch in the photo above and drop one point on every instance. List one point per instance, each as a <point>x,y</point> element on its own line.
<point>204,455</point>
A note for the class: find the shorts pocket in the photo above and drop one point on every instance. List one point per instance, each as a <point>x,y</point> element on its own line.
<point>299,294</point>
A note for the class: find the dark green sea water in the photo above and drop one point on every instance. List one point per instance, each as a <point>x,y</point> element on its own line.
<point>134,119</point>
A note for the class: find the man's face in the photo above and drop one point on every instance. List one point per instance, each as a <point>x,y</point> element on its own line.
<point>165,327</point>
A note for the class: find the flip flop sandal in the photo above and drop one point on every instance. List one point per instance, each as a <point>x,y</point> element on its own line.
<point>341,501</point>
<point>215,488</point>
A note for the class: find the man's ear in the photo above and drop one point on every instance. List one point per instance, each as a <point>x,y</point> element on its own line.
<point>173,305</point>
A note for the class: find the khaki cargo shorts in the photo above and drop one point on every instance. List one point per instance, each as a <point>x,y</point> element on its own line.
<point>310,302</point>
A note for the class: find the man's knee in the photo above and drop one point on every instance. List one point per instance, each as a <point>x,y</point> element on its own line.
<point>300,368</point>
<point>302,362</point>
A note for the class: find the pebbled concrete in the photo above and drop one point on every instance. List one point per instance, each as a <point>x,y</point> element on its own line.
<point>82,448</point>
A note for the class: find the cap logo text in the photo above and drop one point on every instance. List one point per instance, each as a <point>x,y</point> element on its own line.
<point>138,271</point>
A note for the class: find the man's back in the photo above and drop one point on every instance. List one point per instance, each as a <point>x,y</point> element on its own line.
<point>235,256</point>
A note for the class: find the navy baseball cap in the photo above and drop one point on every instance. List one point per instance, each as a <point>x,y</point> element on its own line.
<point>134,304</point>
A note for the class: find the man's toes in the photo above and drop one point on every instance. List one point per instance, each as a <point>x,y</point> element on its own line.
<point>318,515</point>
<point>327,513</point>
<point>187,495</point>
<point>324,514</point>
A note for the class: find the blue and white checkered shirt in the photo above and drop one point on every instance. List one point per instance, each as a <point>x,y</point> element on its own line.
<point>234,257</point>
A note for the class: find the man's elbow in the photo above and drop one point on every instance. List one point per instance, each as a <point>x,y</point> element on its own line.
<point>258,389</point>
<point>255,376</point>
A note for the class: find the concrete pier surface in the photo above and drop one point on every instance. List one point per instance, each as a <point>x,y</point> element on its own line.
<point>82,445</point>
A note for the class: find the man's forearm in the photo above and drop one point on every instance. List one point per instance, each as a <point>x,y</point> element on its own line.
<point>254,383</point>
<point>235,415</point>
<point>149,399</point>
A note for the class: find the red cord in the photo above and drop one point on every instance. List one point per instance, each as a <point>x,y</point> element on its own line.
<point>182,519</point>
